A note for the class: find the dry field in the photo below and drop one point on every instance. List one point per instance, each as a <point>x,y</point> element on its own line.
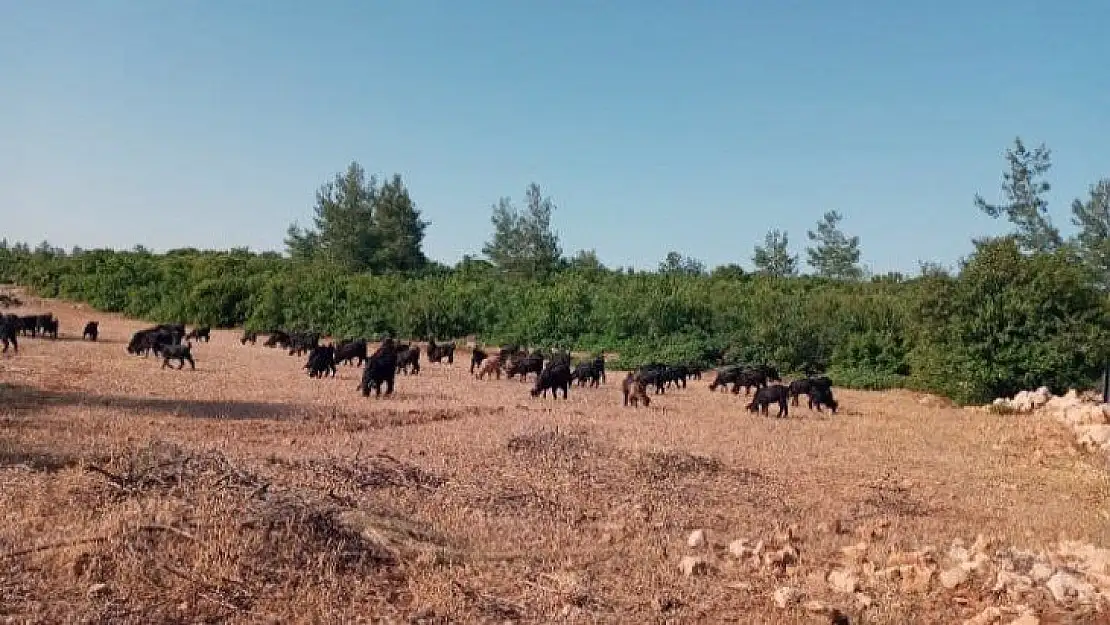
<point>245,492</point>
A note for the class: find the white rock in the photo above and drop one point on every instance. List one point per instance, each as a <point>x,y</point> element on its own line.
<point>787,596</point>
<point>843,581</point>
<point>696,539</point>
<point>953,577</point>
<point>864,601</point>
<point>1012,583</point>
<point>1026,619</point>
<point>1040,572</point>
<point>741,549</point>
<point>1091,559</point>
<point>1093,437</point>
<point>693,565</point>
<point>97,589</point>
<point>1065,586</point>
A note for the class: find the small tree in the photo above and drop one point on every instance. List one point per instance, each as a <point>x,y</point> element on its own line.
<point>1023,189</point>
<point>773,257</point>
<point>523,243</point>
<point>676,264</point>
<point>1093,240</point>
<point>833,254</point>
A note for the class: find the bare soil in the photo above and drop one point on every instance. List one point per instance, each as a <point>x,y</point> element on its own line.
<point>246,492</point>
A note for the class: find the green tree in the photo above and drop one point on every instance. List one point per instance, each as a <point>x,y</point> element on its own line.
<point>1010,321</point>
<point>586,262</point>
<point>675,264</point>
<point>344,223</point>
<point>833,254</point>
<point>1093,239</point>
<point>730,271</point>
<point>523,243</point>
<point>397,229</point>
<point>1023,191</point>
<point>773,257</point>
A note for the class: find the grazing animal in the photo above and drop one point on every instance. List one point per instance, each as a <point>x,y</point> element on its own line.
<point>249,336</point>
<point>303,342</point>
<point>476,358</point>
<point>408,360</point>
<point>351,351</point>
<point>586,373</point>
<point>491,365</point>
<point>9,328</point>
<point>524,366</point>
<point>381,368</point>
<point>807,386</point>
<point>277,338</point>
<point>634,391</point>
<point>510,352</point>
<point>29,325</point>
<point>555,377</point>
<point>180,353</point>
<point>48,325</point>
<point>150,340</point>
<point>773,394</point>
<point>599,365</point>
<point>822,396</point>
<point>200,333</point>
<point>92,331</point>
<point>436,353</point>
<point>321,361</point>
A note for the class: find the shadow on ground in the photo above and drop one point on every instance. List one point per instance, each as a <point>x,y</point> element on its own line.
<point>23,398</point>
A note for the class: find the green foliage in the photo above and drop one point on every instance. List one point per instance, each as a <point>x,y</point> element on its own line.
<point>1009,322</point>
<point>1093,240</point>
<point>1023,189</point>
<point>675,264</point>
<point>523,243</point>
<point>773,258</point>
<point>833,253</point>
<point>361,226</point>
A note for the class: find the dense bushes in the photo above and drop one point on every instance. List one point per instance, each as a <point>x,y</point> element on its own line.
<point>1009,321</point>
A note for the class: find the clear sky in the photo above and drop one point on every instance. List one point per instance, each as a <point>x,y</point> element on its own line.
<point>654,125</point>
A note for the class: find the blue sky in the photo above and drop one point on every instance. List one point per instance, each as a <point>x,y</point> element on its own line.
<point>693,126</point>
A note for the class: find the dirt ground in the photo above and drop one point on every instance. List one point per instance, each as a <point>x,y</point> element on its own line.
<point>246,492</point>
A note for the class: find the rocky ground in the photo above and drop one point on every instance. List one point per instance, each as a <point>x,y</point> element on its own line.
<point>244,492</point>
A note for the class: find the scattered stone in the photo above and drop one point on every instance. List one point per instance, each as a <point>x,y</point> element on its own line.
<point>1012,584</point>
<point>915,578</point>
<point>953,577</point>
<point>693,565</point>
<point>696,539</point>
<point>989,616</point>
<point>787,596</point>
<point>1040,572</point>
<point>741,549</point>
<point>864,601</point>
<point>843,581</point>
<point>1065,586</point>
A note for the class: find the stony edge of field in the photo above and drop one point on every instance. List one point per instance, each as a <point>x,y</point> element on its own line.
<point>244,492</point>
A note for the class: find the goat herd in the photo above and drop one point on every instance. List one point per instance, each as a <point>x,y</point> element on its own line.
<point>553,371</point>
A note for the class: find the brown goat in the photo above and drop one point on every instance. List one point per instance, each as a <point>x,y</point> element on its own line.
<point>491,365</point>
<point>634,391</point>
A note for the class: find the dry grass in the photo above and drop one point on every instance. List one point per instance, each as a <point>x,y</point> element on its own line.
<point>245,492</point>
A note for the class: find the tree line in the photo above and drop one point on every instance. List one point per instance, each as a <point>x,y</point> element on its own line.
<point>1025,309</point>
